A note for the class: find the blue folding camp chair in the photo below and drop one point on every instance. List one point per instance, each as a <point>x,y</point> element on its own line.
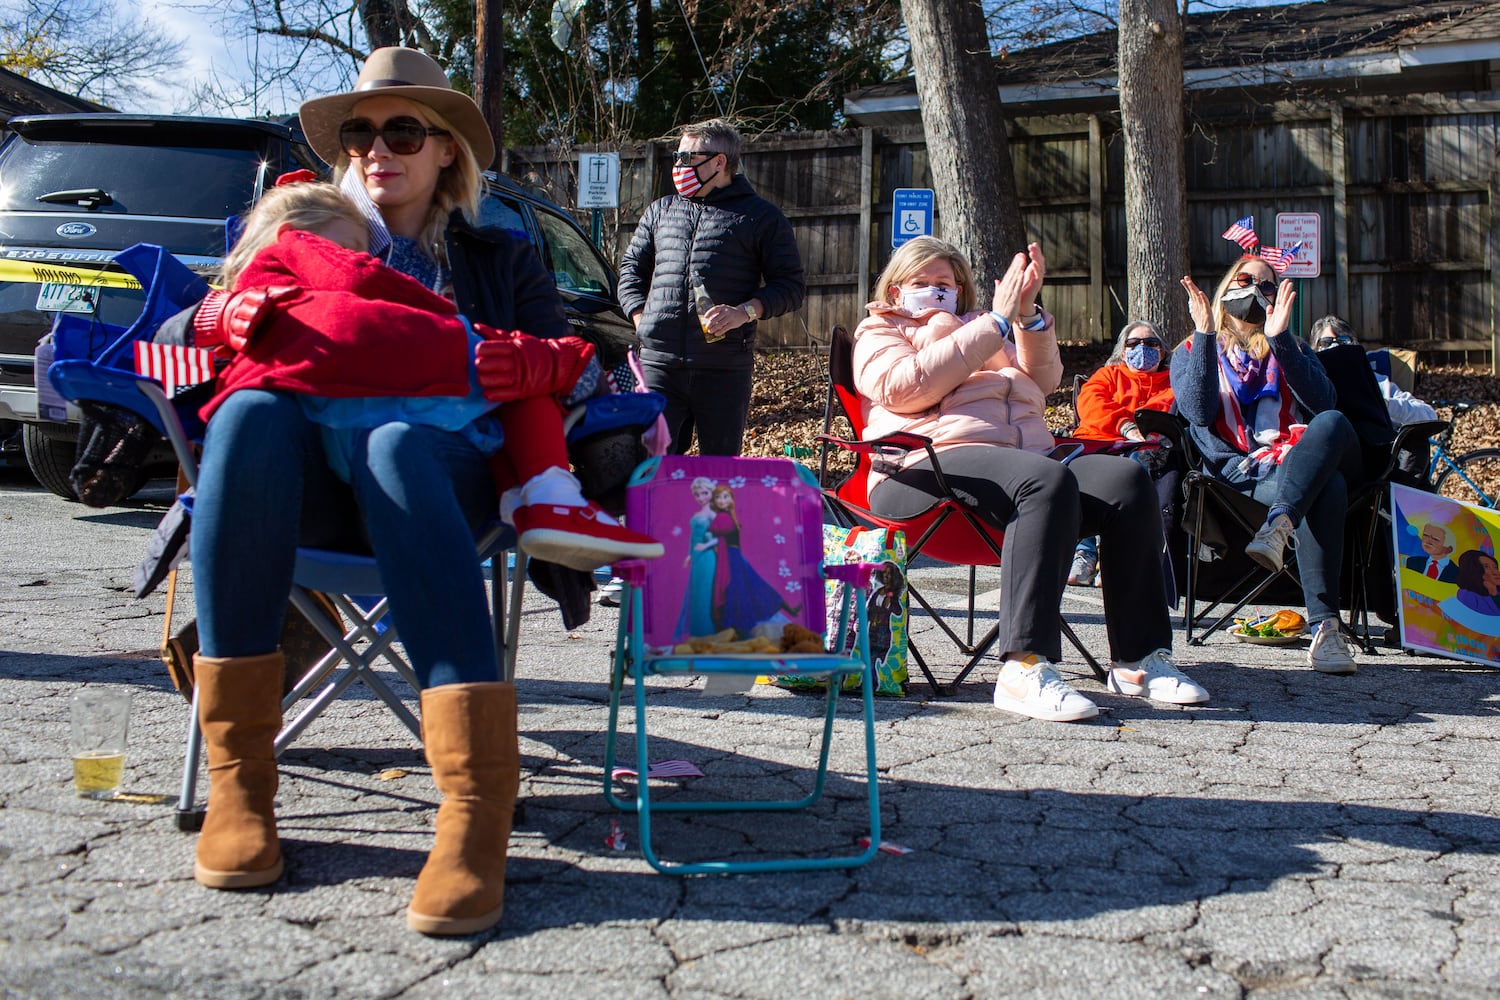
<point>95,361</point>
<point>708,580</point>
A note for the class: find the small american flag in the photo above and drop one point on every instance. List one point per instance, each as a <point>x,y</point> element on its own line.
<point>1278,258</point>
<point>175,367</point>
<point>1243,233</point>
<point>662,769</point>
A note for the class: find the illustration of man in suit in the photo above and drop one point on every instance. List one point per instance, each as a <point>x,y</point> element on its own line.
<point>1436,562</point>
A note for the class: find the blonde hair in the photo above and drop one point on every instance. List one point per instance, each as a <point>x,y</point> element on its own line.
<point>459,185</point>
<point>309,205</point>
<point>916,254</point>
<point>1255,343</point>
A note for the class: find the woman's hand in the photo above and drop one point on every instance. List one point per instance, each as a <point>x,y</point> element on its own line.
<point>1198,306</point>
<point>1031,282</point>
<point>1279,317</point>
<point>1015,294</point>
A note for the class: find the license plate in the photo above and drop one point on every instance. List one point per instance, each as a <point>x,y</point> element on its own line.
<point>58,297</point>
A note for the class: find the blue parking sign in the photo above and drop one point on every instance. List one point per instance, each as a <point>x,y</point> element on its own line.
<point>911,214</point>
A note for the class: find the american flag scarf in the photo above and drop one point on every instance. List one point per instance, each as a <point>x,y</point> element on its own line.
<point>1268,433</point>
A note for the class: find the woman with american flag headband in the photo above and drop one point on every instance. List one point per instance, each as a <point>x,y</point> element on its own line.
<point>1262,412</point>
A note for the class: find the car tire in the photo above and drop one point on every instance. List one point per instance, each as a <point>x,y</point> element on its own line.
<point>50,459</point>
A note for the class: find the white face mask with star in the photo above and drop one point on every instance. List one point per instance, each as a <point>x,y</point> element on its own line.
<point>919,300</point>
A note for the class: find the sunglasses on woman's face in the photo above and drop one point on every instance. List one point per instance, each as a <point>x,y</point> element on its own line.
<point>403,135</point>
<point>1144,342</point>
<point>684,157</point>
<point>1245,279</point>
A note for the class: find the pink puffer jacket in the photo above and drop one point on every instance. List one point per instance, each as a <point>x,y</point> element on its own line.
<point>955,379</point>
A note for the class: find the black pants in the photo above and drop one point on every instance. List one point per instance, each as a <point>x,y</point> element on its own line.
<point>1045,507</point>
<point>713,401</point>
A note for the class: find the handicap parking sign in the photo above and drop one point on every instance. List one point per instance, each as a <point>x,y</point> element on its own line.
<point>911,214</point>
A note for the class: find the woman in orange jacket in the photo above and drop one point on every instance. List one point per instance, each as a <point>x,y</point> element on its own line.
<point>1135,377</point>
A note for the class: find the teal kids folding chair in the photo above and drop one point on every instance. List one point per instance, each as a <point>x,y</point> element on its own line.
<point>744,551</point>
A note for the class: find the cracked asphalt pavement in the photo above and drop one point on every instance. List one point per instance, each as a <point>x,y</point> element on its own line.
<point>1300,836</point>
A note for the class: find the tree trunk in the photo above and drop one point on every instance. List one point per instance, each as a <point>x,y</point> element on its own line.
<point>965,127</point>
<point>381,21</point>
<point>489,67</point>
<point>1150,38</point>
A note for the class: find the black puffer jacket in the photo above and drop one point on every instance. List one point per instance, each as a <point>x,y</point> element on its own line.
<point>739,243</point>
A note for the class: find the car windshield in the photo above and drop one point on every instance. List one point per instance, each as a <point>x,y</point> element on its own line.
<point>572,260</point>
<point>122,179</point>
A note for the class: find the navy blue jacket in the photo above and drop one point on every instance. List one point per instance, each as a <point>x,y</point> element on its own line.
<point>1195,387</point>
<point>739,243</point>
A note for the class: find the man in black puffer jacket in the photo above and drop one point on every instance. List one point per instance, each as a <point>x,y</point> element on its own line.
<point>718,233</point>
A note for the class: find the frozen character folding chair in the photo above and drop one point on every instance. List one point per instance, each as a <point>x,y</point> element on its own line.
<point>740,591</point>
<point>96,361</point>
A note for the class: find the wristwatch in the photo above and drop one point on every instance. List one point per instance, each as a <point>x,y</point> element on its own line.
<point>750,311</point>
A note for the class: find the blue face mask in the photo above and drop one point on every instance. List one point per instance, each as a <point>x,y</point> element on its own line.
<point>1143,358</point>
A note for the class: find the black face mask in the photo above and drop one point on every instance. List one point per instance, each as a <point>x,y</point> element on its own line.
<point>1247,305</point>
<point>1246,310</point>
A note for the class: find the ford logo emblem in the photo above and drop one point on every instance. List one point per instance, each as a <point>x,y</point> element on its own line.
<point>76,230</point>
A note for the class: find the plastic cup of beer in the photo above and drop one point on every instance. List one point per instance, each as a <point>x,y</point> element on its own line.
<point>100,725</point>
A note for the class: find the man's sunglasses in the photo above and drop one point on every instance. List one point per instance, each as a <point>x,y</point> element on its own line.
<point>684,157</point>
<point>403,135</point>
<point>1144,342</point>
<point>1266,288</point>
<point>1325,342</point>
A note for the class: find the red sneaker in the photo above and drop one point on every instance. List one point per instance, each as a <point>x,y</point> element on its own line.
<point>580,538</point>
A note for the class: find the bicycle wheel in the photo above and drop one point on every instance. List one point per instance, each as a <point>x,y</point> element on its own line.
<point>1474,477</point>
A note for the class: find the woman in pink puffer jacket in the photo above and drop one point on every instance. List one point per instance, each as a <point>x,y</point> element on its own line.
<point>975,382</point>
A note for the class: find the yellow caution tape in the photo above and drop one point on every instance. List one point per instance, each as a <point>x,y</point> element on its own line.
<point>64,274</point>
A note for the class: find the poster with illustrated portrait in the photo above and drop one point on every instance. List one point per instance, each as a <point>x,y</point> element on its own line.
<point>1447,576</point>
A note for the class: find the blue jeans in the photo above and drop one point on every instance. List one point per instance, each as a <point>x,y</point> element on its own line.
<point>417,497</point>
<point>1314,481</point>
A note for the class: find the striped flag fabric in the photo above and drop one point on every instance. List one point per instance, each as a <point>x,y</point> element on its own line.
<point>1242,231</point>
<point>1278,258</point>
<point>174,366</point>
<point>662,769</point>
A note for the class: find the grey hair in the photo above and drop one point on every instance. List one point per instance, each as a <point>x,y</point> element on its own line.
<point>719,135</point>
<point>1117,356</point>
<point>1333,326</point>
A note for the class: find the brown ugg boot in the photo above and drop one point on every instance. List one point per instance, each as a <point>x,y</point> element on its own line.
<point>470,735</point>
<point>239,711</point>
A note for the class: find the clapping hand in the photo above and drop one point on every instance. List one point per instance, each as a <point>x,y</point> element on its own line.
<point>1279,316</point>
<point>1016,292</point>
<point>1198,306</point>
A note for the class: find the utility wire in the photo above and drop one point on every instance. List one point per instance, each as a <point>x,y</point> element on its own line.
<point>701,61</point>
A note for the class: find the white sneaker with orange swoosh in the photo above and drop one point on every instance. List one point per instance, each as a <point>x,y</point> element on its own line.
<point>1030,686</point>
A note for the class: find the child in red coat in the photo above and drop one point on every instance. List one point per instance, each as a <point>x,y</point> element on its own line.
<point>311,313</point>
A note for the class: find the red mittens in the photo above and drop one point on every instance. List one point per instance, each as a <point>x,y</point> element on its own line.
<point>231,318</point>
<point>516,365</point>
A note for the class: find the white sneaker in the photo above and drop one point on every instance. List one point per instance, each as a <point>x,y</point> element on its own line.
<point>1268,547</point>
<point>1084,569</point>
<point>1156,677</point>
<point>609,594</point>
<point>1329,652</point>
<point>1030,686</point>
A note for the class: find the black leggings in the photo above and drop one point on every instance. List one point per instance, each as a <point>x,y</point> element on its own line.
<point>1045,507</point>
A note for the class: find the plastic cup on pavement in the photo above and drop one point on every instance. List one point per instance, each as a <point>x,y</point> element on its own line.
<point>100,725</point>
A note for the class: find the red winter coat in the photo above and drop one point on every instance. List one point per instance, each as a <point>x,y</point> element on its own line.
<point>352,331</point>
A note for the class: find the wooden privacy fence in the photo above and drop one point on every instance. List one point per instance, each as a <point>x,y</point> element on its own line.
<point>1404,187</point>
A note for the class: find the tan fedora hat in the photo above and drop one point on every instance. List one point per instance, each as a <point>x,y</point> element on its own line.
<point>397,72</point>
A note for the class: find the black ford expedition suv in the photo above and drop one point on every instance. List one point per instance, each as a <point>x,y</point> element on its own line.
<point>76,189</point>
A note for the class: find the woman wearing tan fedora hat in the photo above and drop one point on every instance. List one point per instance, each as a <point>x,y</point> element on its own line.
<point>410,148</point>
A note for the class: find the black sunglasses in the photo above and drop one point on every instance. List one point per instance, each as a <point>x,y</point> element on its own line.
<point>403,135</point>
<point>1144,342</point>
<point>684,157</point>
<point>1266,288</point>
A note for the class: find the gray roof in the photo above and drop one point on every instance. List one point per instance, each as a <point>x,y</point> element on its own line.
<point>20,96</point>
<point>1276,44</point>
